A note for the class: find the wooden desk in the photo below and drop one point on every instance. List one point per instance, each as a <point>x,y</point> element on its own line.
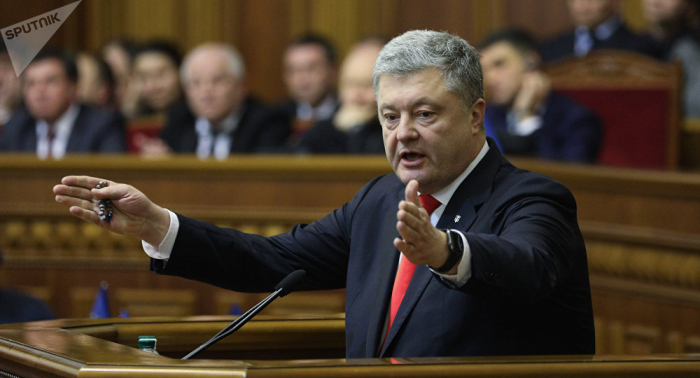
<point>271,347</point>
<point>642,231</point>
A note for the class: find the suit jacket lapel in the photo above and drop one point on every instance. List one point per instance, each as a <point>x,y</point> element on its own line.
<point>78,134</point>
<point>388,260</point>
<point>459,214</point>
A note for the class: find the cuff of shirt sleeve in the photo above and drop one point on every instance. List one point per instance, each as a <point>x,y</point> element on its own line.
<point>464,269</point>
<point>163,251</point>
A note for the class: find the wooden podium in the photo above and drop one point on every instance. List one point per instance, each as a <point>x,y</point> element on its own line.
<point>270,347</point>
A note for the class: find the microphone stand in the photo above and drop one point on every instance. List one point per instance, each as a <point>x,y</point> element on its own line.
<point>283,288</point>
<point>236,324</point>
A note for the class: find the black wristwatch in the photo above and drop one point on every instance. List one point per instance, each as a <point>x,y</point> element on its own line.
<point>456,248</point>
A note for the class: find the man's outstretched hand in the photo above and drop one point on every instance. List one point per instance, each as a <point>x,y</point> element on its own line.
<point>134,214</point>
<point>420,241</point>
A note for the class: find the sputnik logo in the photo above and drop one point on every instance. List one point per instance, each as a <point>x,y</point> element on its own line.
<point>25,39</point>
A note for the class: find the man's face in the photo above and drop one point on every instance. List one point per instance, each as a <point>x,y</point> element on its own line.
<point>591,13</point>
<point>9,83</point>
<point>428,134</point>
<point>212,91</point>
<point>504,69</point>
<point>159,79</point>
<point>308,74</point>
<point>47,90</point>
<point>355,87</point>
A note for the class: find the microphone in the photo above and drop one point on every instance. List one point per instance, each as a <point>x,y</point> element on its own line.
<point>286,286</point>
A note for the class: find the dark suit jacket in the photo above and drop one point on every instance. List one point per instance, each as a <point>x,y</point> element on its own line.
<point>16,307</point>
<point>528,294</point>
<point>324,138</point>
<point>562,46</point>
<point>569,132</point>
<point>94,131</point>
<point>259,129</point>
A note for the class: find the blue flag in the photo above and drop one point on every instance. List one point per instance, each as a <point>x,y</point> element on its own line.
<point>100,307</point>
<point>235,309</point>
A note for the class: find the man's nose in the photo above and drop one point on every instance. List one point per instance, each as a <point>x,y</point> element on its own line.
<point>406,130</point>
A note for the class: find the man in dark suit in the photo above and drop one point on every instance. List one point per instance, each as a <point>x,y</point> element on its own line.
<point>52,123</point>
<point>223,119</point>
<point>16,307</point>
<point>354,129</point>
<point>598,26</point>
<point>486,259</point>
<point>310,72</point>
<point>525,116</point>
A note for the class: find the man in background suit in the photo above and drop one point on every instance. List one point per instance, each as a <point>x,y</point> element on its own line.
<point>355,128</point>
<point>16,307</point>
<point>221,117</point>
<point>526,117</point>
<point>53,123</point>
<point>310,73</point>
<point>486,259</point>
<point>598,26</point>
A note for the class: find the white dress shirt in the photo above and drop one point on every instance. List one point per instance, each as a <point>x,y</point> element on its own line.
<point>216,141</point>
<point>62,129</point>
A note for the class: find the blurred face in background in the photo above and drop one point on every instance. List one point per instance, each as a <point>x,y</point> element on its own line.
<point>308,74</point>
<point>10,91</point>
<point>48,92</point>
<point>120,63</point>
<point>591,13</point>
<point>355,86</point>
<point>212,90</point>
<point>504,68</point>
<point>158,79</point>
<point>665,12</point>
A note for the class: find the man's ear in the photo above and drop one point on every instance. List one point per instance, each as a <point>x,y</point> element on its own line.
<point>476,113</point>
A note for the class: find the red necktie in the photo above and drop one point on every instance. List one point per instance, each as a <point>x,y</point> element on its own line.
<point>407,268</point>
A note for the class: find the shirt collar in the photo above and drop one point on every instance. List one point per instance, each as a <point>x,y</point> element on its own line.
<point>603,31</point>
<point>445,194</point>
<point>323,111</point>
<point>63,125</point>
<point>228,124</point>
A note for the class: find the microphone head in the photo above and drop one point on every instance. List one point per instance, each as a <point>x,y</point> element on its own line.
<point>289,283</point>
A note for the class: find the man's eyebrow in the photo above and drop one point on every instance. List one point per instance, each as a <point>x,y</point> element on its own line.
<point>418,102</point>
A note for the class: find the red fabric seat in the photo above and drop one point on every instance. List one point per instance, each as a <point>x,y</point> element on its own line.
<point>636,97</point>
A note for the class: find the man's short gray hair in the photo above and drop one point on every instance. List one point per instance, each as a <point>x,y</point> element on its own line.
<point>417,50</point>
<point>234,61</point>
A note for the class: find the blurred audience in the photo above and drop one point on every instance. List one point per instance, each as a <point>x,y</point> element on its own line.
<point>17,307</point>
<point>599,25</point>
<point>224,118</point>
<point>118,53</point>
<point>10,92</point>
<point>96,83</point>
<point>687,51</point>
<point>310,74</point>
<point>155,77</point>
<point>523,113</point>
<point>355,127</point>
<point>52,123</point>
<point>675,25</point>
<point>668,21</point>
